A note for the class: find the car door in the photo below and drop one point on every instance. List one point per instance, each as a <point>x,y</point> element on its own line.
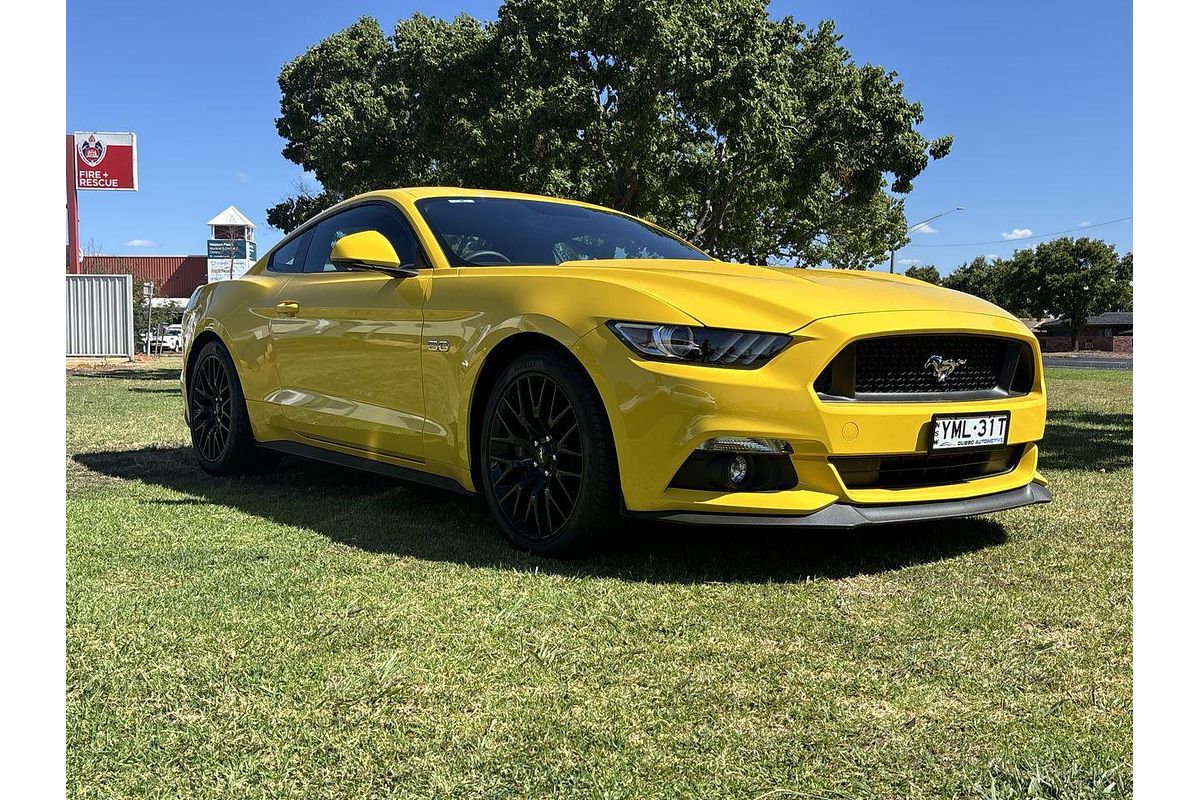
<point>347,342</point>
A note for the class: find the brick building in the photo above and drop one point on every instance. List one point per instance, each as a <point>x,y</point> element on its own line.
<point>175,276</point>
<point>1111,332</point>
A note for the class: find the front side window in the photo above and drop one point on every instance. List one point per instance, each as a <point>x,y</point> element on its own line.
<point>369,217</point>
<point>290,255</point>
<point>482,231</point>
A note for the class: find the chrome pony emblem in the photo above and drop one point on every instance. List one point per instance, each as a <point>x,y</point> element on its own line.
<point>942,367</point>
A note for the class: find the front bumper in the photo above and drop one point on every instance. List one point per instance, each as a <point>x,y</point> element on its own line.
<point>661,412</point>
<point>843,516</point>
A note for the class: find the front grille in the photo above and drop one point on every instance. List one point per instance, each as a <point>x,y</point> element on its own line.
<point>923,469</point>
<point>905,367</point>
<point>896,364</point>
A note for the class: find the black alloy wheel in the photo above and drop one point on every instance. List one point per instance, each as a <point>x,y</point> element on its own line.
<point>221,434</point>
<point>535,455</point>
<point>212,417</point>
<point>548,463</point>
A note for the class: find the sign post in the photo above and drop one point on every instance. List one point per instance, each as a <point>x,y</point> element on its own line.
<point>148,296</point>
<point>96,161</point>
<point>73,260</point>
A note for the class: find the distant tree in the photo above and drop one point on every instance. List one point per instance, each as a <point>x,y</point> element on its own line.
<point>925,272</point>
<point>1073,278</point>
<point>1123,299</point>
<point>759,139</point>
<point>990,279</point>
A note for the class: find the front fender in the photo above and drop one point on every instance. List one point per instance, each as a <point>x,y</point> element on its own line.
<point>470,314</point>
<point>238,313</point>
<point>452,379</point>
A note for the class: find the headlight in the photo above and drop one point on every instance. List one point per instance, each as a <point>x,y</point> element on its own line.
<point>713,346</point>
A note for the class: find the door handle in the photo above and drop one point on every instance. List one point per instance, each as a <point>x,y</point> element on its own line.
<point>288,308</point>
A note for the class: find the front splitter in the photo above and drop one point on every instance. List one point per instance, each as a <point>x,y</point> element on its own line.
<point>845,516</point>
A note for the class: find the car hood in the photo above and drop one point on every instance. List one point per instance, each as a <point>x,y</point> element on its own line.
<point>776,299</point>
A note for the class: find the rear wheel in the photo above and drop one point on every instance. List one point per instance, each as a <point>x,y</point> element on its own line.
<point>221,435</point>
<point>548,465</point>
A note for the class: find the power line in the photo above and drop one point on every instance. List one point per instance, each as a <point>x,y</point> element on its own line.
<point>1026,238</point>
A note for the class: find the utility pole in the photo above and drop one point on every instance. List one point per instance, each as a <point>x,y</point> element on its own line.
<point>911,228</point>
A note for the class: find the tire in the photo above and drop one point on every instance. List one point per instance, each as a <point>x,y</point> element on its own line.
<point>545,443</point>
<point>220,426</point>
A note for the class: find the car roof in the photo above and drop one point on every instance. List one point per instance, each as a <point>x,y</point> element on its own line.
<point>424,192</point>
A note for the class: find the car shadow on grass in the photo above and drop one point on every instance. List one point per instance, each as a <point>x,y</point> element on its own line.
<point>126,373</point>
<point>1087,440</point>
<point>379,515</point>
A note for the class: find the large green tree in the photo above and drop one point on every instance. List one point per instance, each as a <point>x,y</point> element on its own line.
<point>760,140</point>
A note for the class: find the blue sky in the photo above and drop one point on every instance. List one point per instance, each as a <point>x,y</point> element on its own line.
<point>1038,96</point>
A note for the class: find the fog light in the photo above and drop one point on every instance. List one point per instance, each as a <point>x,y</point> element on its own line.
<point>741,444</point>
<point>737,471</point>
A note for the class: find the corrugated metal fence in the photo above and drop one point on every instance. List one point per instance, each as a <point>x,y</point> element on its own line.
<point>100,315</point>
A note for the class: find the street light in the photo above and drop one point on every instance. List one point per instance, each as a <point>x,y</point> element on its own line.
<point>892,268</point>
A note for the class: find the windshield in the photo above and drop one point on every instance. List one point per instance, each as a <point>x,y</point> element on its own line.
<point>491,231</point>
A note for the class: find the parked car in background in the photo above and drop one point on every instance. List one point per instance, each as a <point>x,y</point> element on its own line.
<point>575,365</point>
<point>168,338</point>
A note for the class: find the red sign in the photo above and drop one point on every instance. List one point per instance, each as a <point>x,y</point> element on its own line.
<point>106,161</point>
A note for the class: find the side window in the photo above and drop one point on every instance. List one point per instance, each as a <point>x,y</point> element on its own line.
<point>290,257</point>
<point>370,217</point>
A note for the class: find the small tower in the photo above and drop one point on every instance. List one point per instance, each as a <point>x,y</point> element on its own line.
<point>231,247</point>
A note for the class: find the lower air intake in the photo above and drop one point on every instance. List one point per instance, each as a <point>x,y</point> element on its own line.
<point>924,469</point>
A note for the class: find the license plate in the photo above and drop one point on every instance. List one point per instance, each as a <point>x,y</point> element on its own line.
<point>956,431</point>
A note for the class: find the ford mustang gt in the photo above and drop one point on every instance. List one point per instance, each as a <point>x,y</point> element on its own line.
<point>576,366</point>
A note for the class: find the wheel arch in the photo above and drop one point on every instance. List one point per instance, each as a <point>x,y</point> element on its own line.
<point>202,339</point>
<point>500,356</point>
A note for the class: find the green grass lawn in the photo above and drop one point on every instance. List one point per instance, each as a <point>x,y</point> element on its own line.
<point>318,632</point>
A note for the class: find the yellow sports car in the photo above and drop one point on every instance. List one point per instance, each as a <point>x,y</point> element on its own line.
<point>575,365</point>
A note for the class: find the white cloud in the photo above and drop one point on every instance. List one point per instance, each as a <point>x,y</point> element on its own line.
<point>909,261</point>
<point>243,177</point>
<point>992,256</point>
<point>1017,233</point>
<point>924,227</point>
<point>1085,222</point>
<point>141,243</point>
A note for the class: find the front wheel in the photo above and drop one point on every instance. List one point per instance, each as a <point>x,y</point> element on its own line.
<point>548,465</point>
<point>221,435</point>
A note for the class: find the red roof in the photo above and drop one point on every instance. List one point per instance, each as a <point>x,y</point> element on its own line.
<point>173,276</point>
